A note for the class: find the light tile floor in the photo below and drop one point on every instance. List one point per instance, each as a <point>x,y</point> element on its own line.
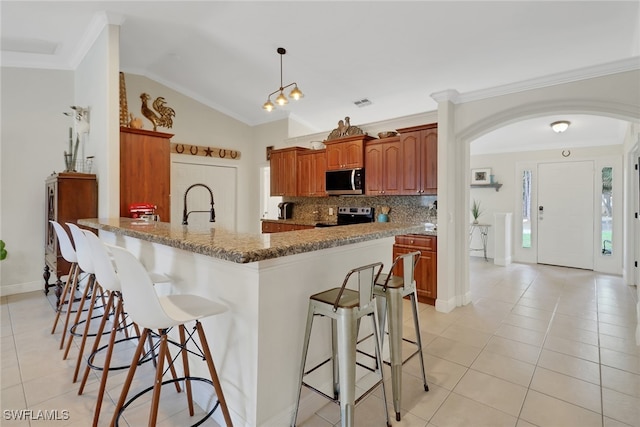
<point>539,346</point>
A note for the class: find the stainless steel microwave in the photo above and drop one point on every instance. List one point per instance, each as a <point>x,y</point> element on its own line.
<point>347,181</point>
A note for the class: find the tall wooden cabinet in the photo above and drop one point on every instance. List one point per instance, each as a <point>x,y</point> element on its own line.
<point>420,159</point>
<point>70,196</point>
<point>284,166</point>
<point>145,170</point>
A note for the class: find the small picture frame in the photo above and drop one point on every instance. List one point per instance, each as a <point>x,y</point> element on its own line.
<point>481,176</point>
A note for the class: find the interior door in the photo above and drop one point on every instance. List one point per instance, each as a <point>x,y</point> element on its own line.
<point>221,180</point>
<point>566,214</point>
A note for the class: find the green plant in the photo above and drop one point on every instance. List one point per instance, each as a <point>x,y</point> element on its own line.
<point>3,251</point>
<point>475,210</point>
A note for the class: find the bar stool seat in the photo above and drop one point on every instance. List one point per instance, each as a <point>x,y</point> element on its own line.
<point>162,313</point>
<point>345,307</point>
<point>390,289</point>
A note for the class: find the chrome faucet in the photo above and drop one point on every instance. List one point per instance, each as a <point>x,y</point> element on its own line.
<point>185,214</point>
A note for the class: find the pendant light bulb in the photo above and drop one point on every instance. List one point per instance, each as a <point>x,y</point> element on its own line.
<point>268,105</point>
<point>296,93</point>
<point>281,99</point>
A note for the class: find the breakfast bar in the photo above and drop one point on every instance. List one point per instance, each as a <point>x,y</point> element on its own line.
<point>265,280</point>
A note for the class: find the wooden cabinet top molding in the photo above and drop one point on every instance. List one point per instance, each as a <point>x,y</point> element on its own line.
<point>146,132</point>
<point>418,128</point>
<point>349,139</point>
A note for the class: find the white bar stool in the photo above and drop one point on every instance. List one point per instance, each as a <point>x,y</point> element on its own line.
<point>153,312</point>
<point>345,307</point>
<point>85,263</point>
<point>106,276</point>
<point>69,254</point>
<point>390,289</point>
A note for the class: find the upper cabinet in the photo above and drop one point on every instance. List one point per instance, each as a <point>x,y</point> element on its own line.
<point>312,165</point>
<point>419,160</point>
<point>346,153</point>
<point>383,160</point>
<point>284,165</point>
<point>145,170</point>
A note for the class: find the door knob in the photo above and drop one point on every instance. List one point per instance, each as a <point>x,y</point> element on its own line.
<point>541,208</point>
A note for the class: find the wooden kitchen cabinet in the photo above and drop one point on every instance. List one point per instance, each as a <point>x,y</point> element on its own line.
<point>145,170</point>
<point>383,160</point>
<point>426,273</point>
<point>346,153</point>
<point>312,166</point>
<point>278,227</point>
<point>419,160</point>
<point>70,196</point>
<point>284,177</point>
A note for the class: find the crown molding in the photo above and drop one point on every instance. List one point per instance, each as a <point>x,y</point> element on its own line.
<point>450,95</point>
<point>99,21</point>
<point>629,64</point>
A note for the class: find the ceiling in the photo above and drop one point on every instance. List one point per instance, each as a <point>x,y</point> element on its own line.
<point>393,53</point>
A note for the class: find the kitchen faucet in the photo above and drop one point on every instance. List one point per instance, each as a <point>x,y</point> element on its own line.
<point>185,214</point>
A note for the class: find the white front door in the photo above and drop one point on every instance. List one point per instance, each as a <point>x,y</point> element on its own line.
<point>566,214</point>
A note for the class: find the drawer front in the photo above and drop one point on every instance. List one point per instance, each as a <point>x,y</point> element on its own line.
<point>428,243</point>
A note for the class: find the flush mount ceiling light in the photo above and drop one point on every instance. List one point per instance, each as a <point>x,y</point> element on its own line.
<point>560,126</point>
<point>281,99</point>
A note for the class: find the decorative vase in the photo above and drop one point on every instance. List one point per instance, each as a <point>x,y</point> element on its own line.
<point>475,221</point>
<point>383,217</point>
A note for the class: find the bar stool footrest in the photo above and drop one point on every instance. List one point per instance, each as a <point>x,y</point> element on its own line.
<point>170,381</point>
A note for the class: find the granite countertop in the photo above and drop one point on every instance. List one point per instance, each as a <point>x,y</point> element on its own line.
<point>249,247</point>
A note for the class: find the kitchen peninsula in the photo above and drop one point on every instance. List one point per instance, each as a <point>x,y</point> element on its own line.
<point>266,281</point>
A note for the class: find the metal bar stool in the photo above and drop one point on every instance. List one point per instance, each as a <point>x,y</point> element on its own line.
<point>153,312</point>
<point>69,254</point>
<point>345,307</point>
<point>389,290</point>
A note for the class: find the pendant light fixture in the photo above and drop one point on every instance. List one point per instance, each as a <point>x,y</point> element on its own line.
<point>281,99</point>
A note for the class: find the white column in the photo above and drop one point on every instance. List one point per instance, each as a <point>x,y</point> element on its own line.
<point>502,237</point>
<point>453,161</point>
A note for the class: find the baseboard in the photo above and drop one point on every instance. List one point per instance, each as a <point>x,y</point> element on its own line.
<point>21,288</point>
<point>445,306</point>
<point>502,261</point>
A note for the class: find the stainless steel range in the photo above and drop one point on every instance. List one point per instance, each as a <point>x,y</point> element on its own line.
<point>350,215</point>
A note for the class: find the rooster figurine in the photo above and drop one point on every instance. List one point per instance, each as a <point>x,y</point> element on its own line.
<point>162,116</point>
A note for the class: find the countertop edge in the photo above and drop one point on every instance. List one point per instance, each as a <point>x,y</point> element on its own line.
<point>245,247</point>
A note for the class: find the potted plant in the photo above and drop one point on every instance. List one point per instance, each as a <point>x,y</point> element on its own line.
<point>3,251</point>
<point>475,211</point>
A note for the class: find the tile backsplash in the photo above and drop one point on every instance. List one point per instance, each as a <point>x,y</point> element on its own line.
<point>403,208</point>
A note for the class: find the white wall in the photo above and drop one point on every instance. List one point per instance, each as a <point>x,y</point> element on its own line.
<point>198,124</point>
<point>34,136</point>
<point>507,170</point>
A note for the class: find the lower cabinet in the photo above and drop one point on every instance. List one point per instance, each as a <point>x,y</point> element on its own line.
<point>278,227</point>
<point>426,273</point>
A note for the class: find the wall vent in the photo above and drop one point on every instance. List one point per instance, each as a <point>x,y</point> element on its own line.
<point>362,102</point>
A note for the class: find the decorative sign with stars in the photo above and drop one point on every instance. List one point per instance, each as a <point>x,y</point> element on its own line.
<point>198,150</point>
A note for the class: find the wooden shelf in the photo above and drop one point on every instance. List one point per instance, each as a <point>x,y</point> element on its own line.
<point>495,185</point>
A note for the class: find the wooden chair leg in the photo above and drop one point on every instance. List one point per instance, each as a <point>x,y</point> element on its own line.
<point>187,373</point>
<point>72,288</point>
<point>105,369</point>
<point>63,300</point>
<point>157,386</point>
<point>132,371</point>
<point>214,374</point>
<point>76,321</point>
<point>96,342</point>
<point>85,333</point>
